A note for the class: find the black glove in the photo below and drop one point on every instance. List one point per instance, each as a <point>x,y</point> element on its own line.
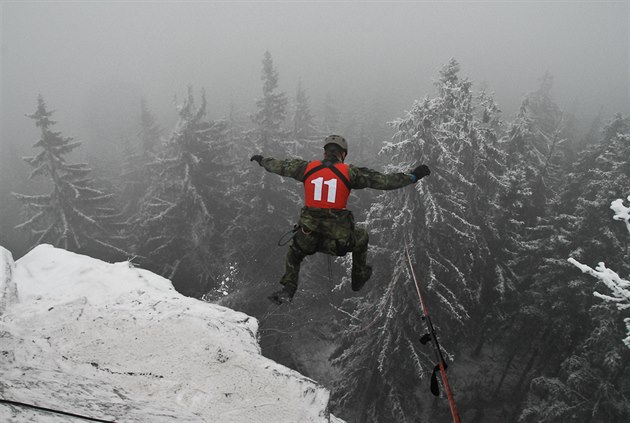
<point>257,158</point>
<point>421,171</point>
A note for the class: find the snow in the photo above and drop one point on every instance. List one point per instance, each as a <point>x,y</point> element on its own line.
<point>619,287</point>
<point>621,212</point>
<point>118,343</point>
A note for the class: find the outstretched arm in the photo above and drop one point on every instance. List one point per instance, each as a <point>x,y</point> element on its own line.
<point>292,168</point>
<point>362,177</point>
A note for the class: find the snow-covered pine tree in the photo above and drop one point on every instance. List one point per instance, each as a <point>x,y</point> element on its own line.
<point>271,111</point>
<point>531,146</point>
<point>137,156</point>
<point>303,120</point>
<point>591,384</point>
<point>330,115</point>
<point>150,134</point>
<point>619,288</point>
<point>235,152</point>
<point>528,323</point>
<point>365,125</point>
<point>446,220</point>
<point>601,172</point>
<point>176,221</point>
<point>224,166</point>
<point>75,215</point>
<point>583,386</point>
<point>535,147</point>
<point>267,204</point>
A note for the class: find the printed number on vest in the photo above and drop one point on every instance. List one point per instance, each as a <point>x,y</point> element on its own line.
<point>319,185</point>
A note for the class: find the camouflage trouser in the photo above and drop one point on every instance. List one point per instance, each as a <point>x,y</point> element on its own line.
<point>325,231</point>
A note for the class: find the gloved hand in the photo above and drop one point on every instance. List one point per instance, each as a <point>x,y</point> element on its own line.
<point>257,158</point>
<point>421,171</point>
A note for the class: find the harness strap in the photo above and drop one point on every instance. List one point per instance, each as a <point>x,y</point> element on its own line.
<point>313,170</point>
<point>341,176</point>
<point>334,169</point>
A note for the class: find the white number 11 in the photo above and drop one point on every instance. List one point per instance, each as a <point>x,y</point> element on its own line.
<point>332,189</point>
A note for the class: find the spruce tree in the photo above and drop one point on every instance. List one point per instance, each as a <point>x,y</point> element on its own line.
<point>137,156</point>
<point>528,323</point>
<point>446,220</point>
<point>303,122</point>
<point>330,115</point>
<point>271,110</point>
<point>592,383</point>
<point>587,387</point>
<point>267,205</point>
<point>176,222</point>
<point>75,214</point>
<point>150,134</point>
<point>529,183</point>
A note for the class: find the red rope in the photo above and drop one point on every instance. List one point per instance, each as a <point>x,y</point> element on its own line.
<point>441,363</point>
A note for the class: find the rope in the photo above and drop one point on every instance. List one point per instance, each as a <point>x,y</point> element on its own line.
<point>271,310</point>
<point>330,275</point>
<point>284,240</point>
<point>441,365</point>
<point>52,410</point>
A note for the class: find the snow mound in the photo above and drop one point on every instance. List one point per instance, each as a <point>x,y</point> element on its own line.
<point>118,343</point>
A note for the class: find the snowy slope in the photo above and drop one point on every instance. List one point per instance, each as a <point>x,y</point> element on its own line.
<point>118,343</point>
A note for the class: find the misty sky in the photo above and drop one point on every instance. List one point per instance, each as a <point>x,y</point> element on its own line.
<point>92,59</point>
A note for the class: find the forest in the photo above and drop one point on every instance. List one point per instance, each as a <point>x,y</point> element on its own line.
<point>509,200</point>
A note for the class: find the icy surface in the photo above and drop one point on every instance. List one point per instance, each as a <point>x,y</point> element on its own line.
<point>118,343</point>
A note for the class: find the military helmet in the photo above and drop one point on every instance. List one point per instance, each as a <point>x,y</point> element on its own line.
<point>337,140</point>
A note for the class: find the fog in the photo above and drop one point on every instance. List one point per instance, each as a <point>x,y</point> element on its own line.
<point>93,61</point>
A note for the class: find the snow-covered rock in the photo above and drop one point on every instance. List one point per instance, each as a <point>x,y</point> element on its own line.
<point>118,343</point>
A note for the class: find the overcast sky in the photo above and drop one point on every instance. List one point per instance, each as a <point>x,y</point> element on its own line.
<point>105,54</point>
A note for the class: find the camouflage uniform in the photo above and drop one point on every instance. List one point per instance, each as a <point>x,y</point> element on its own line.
<point>331,231</point>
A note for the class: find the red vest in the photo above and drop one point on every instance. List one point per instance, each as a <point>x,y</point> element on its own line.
<point>326,187</point>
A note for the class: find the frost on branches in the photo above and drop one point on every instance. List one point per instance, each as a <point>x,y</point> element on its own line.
<point>620,288</point>
<point>75,214</point>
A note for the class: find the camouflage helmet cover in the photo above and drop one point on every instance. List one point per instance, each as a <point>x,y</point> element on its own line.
<point>337,140</point>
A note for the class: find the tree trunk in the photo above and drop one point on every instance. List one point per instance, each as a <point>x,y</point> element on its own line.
<point>528,368</point>
<point>366,401</point>
<point>503,375</point>
<point>519,394</point>
<point>482,340</point>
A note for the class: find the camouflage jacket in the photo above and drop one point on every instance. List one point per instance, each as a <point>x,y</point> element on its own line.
<point>331,223</point>
<point>360,177</point>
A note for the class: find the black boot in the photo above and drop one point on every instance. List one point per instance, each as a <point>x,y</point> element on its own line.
<point>360,276</point>
<point>284,295</point>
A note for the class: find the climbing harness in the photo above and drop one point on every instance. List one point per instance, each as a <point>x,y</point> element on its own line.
<point>432,336</point>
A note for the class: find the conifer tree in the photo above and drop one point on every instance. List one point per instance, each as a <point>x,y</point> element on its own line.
<point>267,204</point>
<point>75,214</point>
<point>177,217</point>
<point>137,156</point>
<point>536,146</point>
<point>592,383</point>
<point>533,152</point>
<point>272,110</point>
<point>446,221</point>
<point>330,115</point>
<point>303,122</point>
<point>568,316</point>
<point>529,321</point>
<point>150,133</point>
